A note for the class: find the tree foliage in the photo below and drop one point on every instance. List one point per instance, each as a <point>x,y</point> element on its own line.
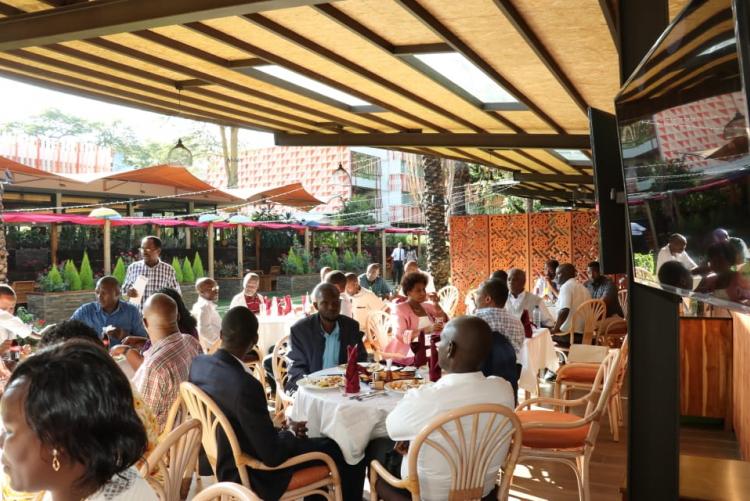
<point>71,276</point>
<point>119,271</point>
<point>177,269</point>
<point>87,275</point>
<point>187,272</point>
<point>198,271</point>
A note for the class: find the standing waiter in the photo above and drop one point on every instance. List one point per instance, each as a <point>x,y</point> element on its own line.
<point>399,256</point>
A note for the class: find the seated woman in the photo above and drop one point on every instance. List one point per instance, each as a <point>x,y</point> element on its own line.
<point>249,296</point>
<point>415,315</point>
<point>723,281</point>
<point>70,428</point>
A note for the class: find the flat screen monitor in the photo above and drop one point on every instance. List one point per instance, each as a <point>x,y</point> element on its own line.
<point>682,121</point>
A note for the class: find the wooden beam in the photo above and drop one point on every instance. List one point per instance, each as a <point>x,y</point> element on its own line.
<point>519,23</point>
<point>184,84</point>
<point>483,140</point>
<point>461,47</point>
<point>611,20</point>
<point>240,252</point>
<point>211,240</point>
<point>246,63</point>
<point>424,48</point>
<point>107,244</point>
<point>95,19</point>
<point>552,178</point>
<point>9,10</point>
<point>257,248</point>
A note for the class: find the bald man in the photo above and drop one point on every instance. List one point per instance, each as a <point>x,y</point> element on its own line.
<point>675,250</point>
<point>572,295</point>
<point>167,363</point>
<point>204,311</point>
<point>464,345</point>
<point>320,341</point>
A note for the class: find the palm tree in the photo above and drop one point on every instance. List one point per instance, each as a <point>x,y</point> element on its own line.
<point>459,189</point>
<point>438,257</point>
<point>3,247</point>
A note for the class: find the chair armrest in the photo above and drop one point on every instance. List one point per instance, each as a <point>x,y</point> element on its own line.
<point>559,426</point>
<point>553,401</point>
<point>302,458</point>
<point>381,472</point>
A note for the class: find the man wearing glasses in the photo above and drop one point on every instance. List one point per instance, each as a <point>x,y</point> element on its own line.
<point>150,274</point>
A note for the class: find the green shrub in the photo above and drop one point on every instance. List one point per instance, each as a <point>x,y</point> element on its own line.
<point>307,263</point>
<point>177,269</point>
<point>188,276</point>
<point>328,258</point>
<point>348,262</point>
<point>362,260</point>
<point>292,264</point>
<point>119,272</point>
<point>71,276</point>
<point>197,268</point>
<point>645,261</point>
<point>87,275</point>
<point>52,281</point>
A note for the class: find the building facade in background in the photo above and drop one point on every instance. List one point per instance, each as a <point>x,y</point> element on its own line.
<point>59,156</point>
<point>381,178</point>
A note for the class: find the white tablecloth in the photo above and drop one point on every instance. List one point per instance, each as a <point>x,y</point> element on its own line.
<point>537,353</point>
<point>272,328</point>
<point>351,424</point>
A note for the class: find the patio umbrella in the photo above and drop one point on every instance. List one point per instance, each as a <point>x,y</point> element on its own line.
<point>239,219</point>
<point>210,218</point>
<point>105,213</point>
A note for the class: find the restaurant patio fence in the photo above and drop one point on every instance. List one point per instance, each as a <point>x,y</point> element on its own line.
<point>484,243</point>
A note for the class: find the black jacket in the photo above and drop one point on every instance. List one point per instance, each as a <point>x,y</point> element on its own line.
<point>308,343</point>
<point>241,397</point>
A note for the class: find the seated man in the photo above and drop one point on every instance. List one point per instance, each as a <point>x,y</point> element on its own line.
<point>572,295</point>
<point>413,267</point>
<point>520,300</point>
<point>601,287</point>
<point>501,275</point>
<point>325,270</point>
<point>675,250</point>
<point>463,348</point>
<point>363,301</point>
<point>374,282</point>
<point>338,279</point>
<point>204,311</point>
<point>10,325</point>
<point>167,362</point>
<point>507,330</point>
<point>545,285</point>
<point>320,341</point>
<point>111,315</point>
<point>224,377</point>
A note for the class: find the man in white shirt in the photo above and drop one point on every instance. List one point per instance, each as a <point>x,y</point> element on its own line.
<point>675,251</point>
<point>204,311</point>
<point>464,345</point>
<point>363,301</point>
<point>572,295</point>
<point>10,325</point>
<point>520,300</point>
<point>338,279</point>
<point>399,258</point>
<point>413,267</point>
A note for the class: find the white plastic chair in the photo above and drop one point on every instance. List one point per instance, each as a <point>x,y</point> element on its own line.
<point>448,299</point>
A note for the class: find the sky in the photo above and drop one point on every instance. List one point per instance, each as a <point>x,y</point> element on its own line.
<point>28,100</point>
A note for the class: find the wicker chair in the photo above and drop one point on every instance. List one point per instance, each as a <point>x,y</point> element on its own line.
<point>593,312</point>
<point>468,454</point>
<point>318,479</point>
<point>175,457</point>
<point>448,299</point>
<point>226,491</point>
<point>622,297</point>
<point>566,438</point>
<point>281,376</point>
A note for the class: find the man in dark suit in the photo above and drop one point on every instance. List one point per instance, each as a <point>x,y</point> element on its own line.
<point>321,340</point>
<point>239,395</point>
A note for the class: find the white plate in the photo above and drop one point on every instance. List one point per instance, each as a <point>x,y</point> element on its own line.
<point>314,383</point>
<point>369,366</point>
<point>401,387</point>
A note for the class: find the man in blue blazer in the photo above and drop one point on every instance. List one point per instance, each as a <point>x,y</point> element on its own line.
<point>224,377</point>
<point>320,341</point>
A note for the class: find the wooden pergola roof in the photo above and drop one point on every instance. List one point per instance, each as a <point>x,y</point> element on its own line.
<point>199,59</point>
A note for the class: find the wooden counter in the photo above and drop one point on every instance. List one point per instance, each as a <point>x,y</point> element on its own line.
<point>703,478</point>
<point>706,347</point>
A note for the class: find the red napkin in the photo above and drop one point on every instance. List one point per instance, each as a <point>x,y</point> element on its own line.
<point>287,304</point>
<point>352,370</point>
<point>267,304</point>
<point>420,354</point>
<point>435,371</point>
<point>527,330</point>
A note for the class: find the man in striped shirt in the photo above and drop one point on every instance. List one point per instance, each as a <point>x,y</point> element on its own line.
<point>157,273</point>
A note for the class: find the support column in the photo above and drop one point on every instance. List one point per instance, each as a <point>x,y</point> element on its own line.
<point>211,238</point>
<point>384,261</point>
<point>54,239</point>
<point>188,232</point>
<point>131,228</point>
<point>359,241</point>
<point>107,244</point>
<point>240,252</point>
<point>257,249</point>
<point>307,240</point>
<point>157,231</point>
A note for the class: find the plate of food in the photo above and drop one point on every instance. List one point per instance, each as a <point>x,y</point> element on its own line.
<point>321,382</point>
<point>403,386</point>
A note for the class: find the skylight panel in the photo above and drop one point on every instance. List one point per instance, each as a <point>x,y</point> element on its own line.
<point>311,85</point>
<point>463,73</point>
<point>573,155</point>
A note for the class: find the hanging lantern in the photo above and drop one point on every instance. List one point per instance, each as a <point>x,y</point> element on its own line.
<point>180,155</point>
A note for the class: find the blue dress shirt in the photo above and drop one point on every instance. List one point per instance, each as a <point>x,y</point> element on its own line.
<point>126,316</point>
<point>332,347</point>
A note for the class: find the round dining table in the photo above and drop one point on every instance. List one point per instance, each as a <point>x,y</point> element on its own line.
<point>352,424</point>
<point>271,328</point>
